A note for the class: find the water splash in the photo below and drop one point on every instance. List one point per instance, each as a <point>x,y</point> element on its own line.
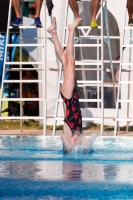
<point>91,140</point>
<point>80,147</point>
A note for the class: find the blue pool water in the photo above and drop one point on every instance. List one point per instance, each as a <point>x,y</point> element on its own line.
<point>36,168</point>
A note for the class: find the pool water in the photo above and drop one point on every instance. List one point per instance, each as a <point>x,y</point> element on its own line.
<point>37,168</point>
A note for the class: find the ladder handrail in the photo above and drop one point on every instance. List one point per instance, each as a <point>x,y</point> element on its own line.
<point>59,77</point>
<point>43,64</point>
<point>102,72</point>
<point>110,53</point>
<point>120,73</point>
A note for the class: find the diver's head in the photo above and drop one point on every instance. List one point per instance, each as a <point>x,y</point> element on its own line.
<point>75,139</point>
<point>72,143</point>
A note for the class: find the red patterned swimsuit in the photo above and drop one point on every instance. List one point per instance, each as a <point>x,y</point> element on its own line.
<point>73,115</point>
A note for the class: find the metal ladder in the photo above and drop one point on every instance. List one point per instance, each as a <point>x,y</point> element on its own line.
<point>40,67</point>
<point>125,77</point>
<point>100,82</point>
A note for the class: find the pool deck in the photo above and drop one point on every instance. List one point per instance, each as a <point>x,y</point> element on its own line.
<point>58,132</point>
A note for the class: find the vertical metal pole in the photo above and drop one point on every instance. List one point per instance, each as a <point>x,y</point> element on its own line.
<point>59,78</point>
<point>120,74</point>
<point>102,71</point>
<point>98,86</point>
<point>44,70</point>
<point>20,58</point>
<point>129,77</point>
<point>109,50</point>
<point>5,55</point>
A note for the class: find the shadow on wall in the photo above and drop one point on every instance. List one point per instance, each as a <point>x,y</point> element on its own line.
<point>94,53</point>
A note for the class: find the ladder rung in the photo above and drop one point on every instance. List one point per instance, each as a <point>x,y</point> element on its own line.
<point>22,117</point>
<point>93,62</point>
<point>97,37</point>
<point>85,45</point>
<point>126,100</point>
<point>87,69</point>
<point>126,82</point>
<point>105,85</point>
<point>110,83</point>
<point>113,61</point>
<point>127,63</point>
<point>85,100</point>
<point>88,37</point>
<point>22,99</point>
<point>128,27</point>
<point>83,118</point>
<point>90,100</point>
<point>112,37</point>
<point>23,81</point>
<point>127,45</point>
<point>124,119</point>
<point>24,63</point>
<point>25,45</point>
<point>86,82</point>
<point>89,82</point>
<point>24,69</point>
<point>87,63</point>
<point>84,27</point>
<point>24,27</point>
<point>33,38</point>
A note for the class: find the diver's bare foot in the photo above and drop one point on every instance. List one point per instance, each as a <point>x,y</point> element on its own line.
<point>75,24</point>
<point>53,26</point>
